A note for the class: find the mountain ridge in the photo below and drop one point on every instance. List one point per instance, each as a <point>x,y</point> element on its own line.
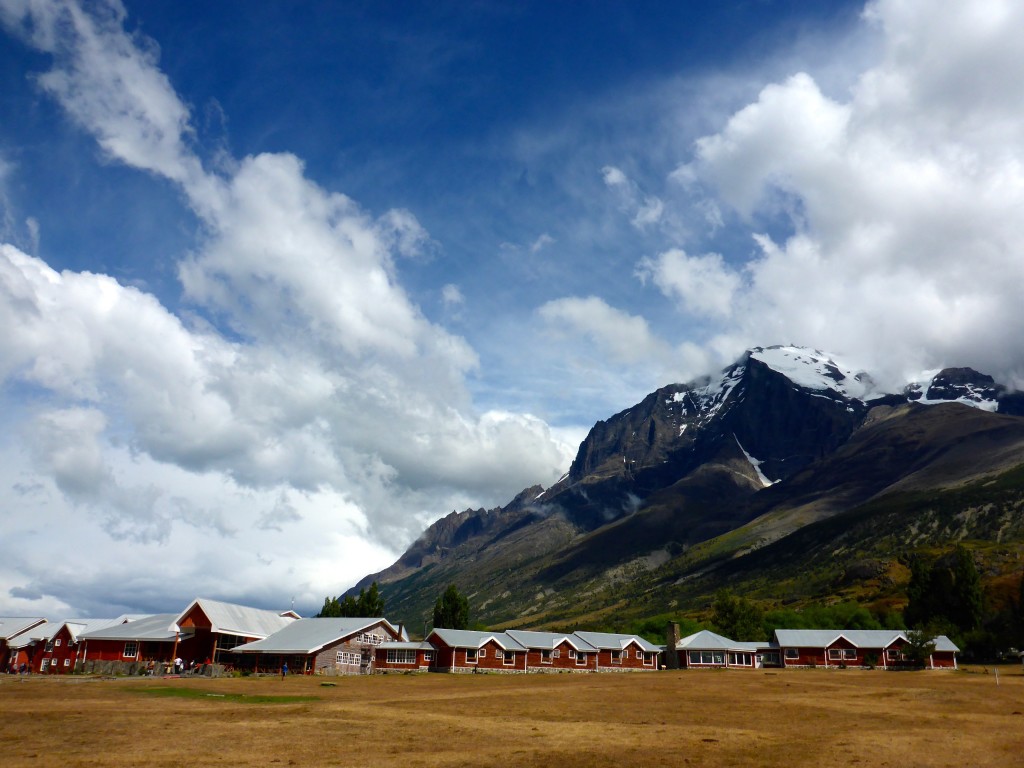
<point>782,439</point>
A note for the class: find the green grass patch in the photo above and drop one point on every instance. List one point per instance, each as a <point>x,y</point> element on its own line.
<point>245,698</point>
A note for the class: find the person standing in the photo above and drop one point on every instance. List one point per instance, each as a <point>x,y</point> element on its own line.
<point>284,670</point>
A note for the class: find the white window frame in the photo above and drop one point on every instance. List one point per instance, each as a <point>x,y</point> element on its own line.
<point>616,657</point>
<point>508,658</point>
<point>428,655</point>
<point>835,654</point>
<point>482,653</point>
<point>556,653</point>
<point>402,656</point>
<point>648,659</point>
<point>893,654</point>
<point>581,659</point>
<point>849,654</point>
<point>57,642</point>
<point>792,653</point>
<point>476,655</point>
<point>545,656</point>
<point>572,653</point>
<point>134,648</point>
<point>67,662</point>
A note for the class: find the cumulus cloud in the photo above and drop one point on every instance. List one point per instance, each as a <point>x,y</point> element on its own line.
<point>313,393</point>
<point>626,338</point>
<point>902,199</point>
<point>705,285</point>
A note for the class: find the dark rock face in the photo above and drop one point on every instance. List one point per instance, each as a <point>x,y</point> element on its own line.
<point>693,461</point>
<point>962,384</point>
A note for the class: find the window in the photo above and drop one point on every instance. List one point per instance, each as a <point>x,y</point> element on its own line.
<point>471,655</point>
<point>131,650</point>
<point>625,654</point>
<point>483,652</point>
<point>648,659</point>
<point>771,657</point>
<point>893,653</point>
<point>57,642</point>
<point>67,662</point>
<point>349,657</point>
<point>545,657</point>
<point>557,653</point>
<point>616,657</point>
<point>581,659</point>
<point>227,642</point>
<point>508,657</point>
<point>849,653</point>
<point>572,653</point>
<point>835,653</point>
<point>695,657</point>
<point>739,659</point>
<point>428,655</point>
<point>792,653</point>
<point>370,639</point>
<point>49,645</point>
<point>401,656</point>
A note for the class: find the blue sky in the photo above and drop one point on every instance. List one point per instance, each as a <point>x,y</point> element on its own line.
<point>287,281</point>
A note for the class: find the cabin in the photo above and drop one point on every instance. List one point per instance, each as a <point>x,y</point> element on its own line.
<point>555,652</point>
<point>61,651</point>
<point>404,656</point>
<point>463,650</point>
<point>707,650</point>
<point>324,646</point>
<point>856,648</point>
<point>210,629</point>
<point>620,653</point>
<point>130,647</point>
<point>12,627</point>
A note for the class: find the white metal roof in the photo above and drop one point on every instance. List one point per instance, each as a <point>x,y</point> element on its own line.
<point>232,619</point>
<point>616,642</point>
<point>311,635</point>
<point>548,640</point>
<point>859,638</point>
<point>156,628</point>
<point>468,638</point>
<point>12,626</point>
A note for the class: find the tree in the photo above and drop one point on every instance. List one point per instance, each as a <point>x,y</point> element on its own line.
<point>737,618</point>
<point>967,607</point>
<point>370,602</point>
<point>920,646</point>
<point>451,611</point>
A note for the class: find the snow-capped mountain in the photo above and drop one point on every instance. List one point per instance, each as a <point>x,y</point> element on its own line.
<point>785,434</point>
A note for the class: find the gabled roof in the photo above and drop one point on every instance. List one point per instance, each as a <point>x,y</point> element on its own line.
<point>548,640</point>
<point>156,628</point>
<point>859,638</point>
<point>12,626</point>
<point>39,633</point>
<point>467,638</point>
<point>706,640</point>
<point>611,641</point>
<point>311,635</point>
<point>232,619</point>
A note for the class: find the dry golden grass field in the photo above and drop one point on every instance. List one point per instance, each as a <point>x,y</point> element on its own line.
<point>711,718</point>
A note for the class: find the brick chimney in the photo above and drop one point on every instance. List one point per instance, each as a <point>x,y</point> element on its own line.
<point>671,656</point>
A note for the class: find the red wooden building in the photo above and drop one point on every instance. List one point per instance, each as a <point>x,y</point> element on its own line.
<point>404,656</point>
<point>129,647</point>
<point>326,646</point>
<point>882,648</point>
<point>622,652</point>
<point>211,629</point>
<point>551,651</point>
<point>18,641</point>
<point>463,650</point>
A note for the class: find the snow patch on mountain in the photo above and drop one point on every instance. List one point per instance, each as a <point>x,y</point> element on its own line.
<point>813,369</point>
<point>765,482</point>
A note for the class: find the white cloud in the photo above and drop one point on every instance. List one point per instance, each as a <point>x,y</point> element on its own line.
<point>541,242</point>
<point>626,338</point>
<point>645,210</point>
<point>327,402</point>
<point>703,284</point>
<point>452,296</point>
<point>904,197</point>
